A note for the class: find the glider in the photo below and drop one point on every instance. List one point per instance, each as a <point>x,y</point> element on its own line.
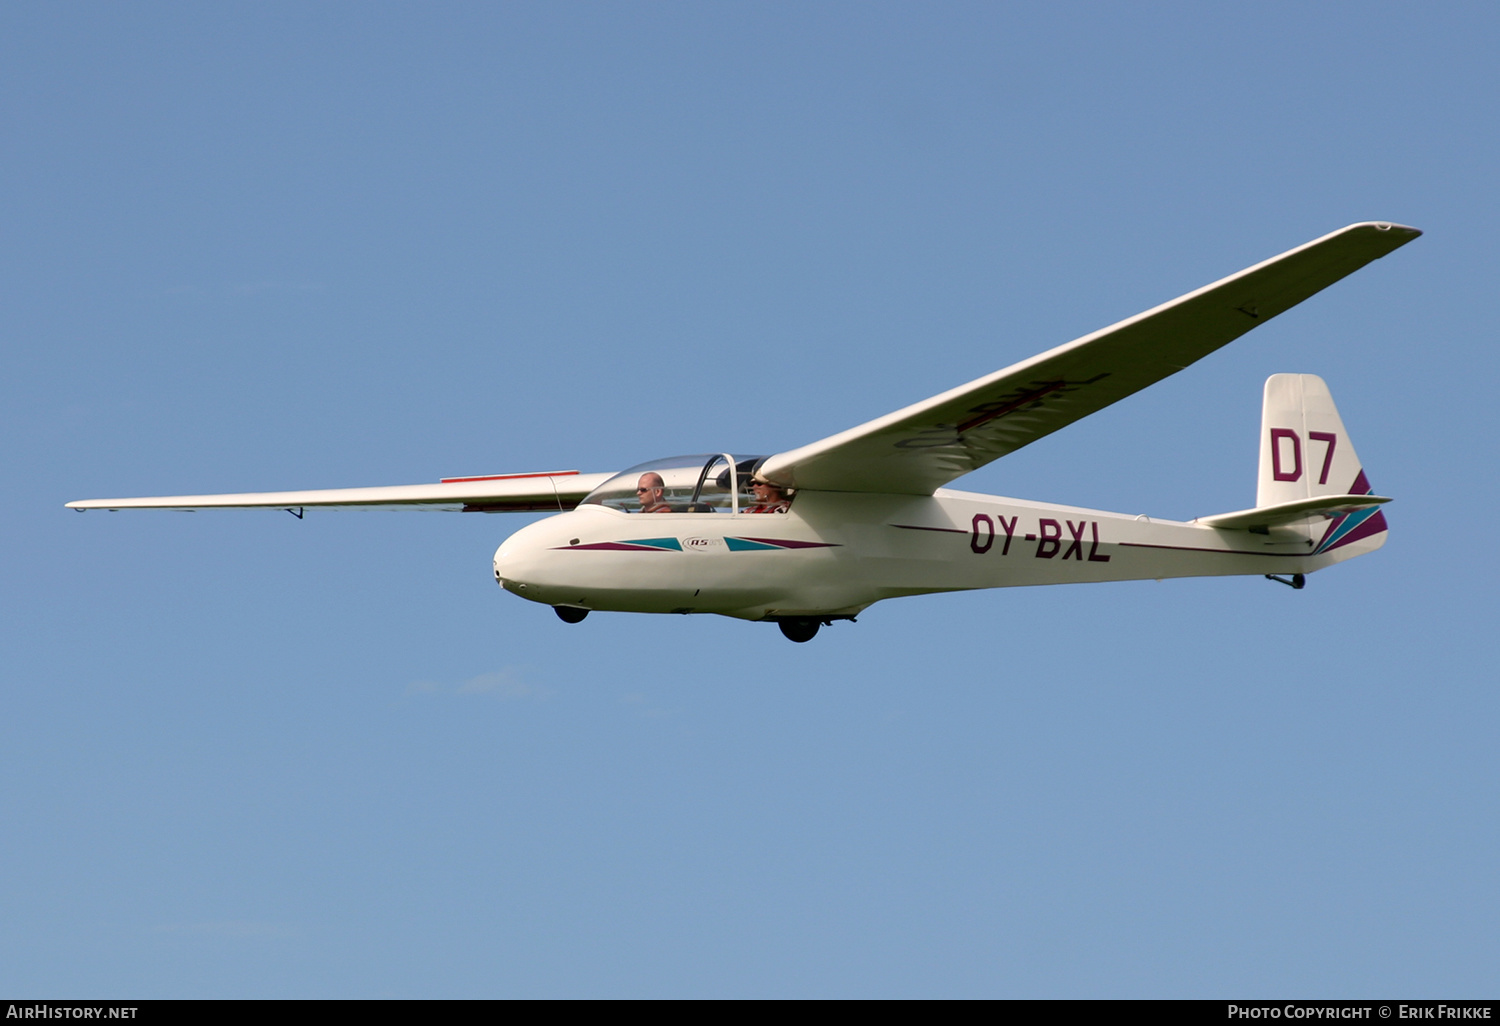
<point>816,534</point>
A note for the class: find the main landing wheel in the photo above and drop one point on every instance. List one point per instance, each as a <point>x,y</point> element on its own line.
<point>799,630</point>
<point>570,614</point>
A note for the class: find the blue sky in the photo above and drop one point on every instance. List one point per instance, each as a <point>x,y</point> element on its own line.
<point>265,246</point>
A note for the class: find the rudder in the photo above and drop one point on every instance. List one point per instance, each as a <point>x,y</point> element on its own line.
<point>1305,452</point>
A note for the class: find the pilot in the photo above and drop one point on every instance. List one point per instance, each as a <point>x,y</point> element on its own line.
<point>769,498</point>
<point>648,491</point>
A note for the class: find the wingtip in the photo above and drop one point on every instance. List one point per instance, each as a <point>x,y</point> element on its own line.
<point>1390,226</point>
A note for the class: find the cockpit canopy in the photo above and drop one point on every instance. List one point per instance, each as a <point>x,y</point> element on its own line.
<point>709,483</point>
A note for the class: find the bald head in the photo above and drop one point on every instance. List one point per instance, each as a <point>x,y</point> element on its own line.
<point>648,491</point>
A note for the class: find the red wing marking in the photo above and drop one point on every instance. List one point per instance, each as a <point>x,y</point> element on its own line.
<point>507,477</point>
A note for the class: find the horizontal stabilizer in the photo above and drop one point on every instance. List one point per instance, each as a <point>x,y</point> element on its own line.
<point>552,491</point>
<point>1326,506</point>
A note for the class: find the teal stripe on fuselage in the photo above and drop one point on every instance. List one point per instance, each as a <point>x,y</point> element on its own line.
<point>657,543</point>
<point>1351,521</point>
<point>744,545</point>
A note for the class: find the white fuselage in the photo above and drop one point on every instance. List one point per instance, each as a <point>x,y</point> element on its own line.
<point>835,553</point>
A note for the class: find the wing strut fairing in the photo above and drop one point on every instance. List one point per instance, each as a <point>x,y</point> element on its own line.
<point>550,491</point>
<point>924,446</point>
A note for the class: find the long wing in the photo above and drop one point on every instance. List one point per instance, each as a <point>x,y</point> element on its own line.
<point>923,447</point>
<point>500,493</point>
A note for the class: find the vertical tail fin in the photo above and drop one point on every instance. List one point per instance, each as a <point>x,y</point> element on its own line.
<point>1304,453</point>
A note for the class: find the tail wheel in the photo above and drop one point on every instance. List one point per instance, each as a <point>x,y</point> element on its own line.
<point>799,630</point>
<point>570,614</point>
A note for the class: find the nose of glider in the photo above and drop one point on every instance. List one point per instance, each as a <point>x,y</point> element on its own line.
<point>517,568</point>
<point>510,571</point>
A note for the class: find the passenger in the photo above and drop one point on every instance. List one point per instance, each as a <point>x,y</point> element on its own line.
<point>649,491</point>
<point>769,498</point>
